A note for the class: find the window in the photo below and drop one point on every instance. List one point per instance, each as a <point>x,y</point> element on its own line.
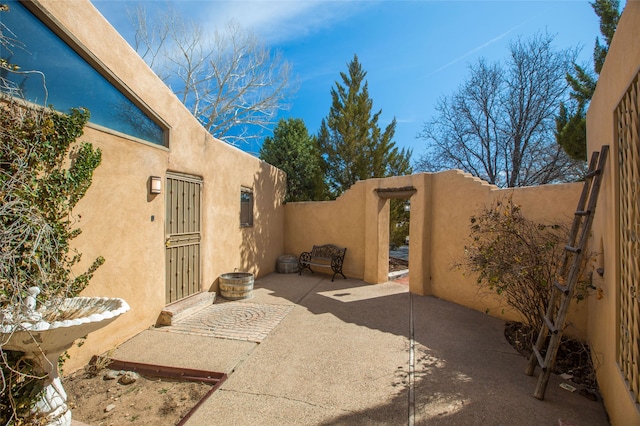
<point>246,207</point>
<point>52,73</point>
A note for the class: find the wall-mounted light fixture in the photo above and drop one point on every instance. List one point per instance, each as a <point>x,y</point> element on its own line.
<point>407,206</point>
<point>155,185</point>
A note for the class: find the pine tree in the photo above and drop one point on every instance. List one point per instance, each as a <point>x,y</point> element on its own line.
<point>294,151</point>
<point>352,144</point>
<point>609,13</point>
<point>571,125</point>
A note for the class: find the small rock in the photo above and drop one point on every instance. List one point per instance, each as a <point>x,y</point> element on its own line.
<point>109,407</point>
<point>111,375</point>
<point>128,377</point>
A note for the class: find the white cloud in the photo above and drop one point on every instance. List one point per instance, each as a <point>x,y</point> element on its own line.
<point>275,21</point>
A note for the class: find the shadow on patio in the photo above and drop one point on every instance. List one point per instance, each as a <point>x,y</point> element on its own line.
<point>343,355</point>
<point>465,370</point>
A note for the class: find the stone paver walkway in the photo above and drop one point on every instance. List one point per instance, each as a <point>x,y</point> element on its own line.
<point>237,320</point>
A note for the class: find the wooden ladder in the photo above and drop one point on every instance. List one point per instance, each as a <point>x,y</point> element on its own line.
<point>568,274</point>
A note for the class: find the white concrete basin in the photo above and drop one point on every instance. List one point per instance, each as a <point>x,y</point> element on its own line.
<point>62,325</point>
<point>48,332</point>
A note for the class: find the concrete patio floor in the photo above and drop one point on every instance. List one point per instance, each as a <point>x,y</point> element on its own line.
<point>352,353</point>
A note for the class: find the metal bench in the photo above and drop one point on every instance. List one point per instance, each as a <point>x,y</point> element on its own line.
<point>327,256</point>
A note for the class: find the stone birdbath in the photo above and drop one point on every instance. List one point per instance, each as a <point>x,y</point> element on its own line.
<point>45,333</point>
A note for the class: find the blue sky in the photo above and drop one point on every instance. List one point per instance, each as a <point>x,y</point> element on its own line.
<point>413,51</point>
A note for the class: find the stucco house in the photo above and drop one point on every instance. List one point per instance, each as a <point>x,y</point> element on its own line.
<point>172,208</point>
<point>156,253</point>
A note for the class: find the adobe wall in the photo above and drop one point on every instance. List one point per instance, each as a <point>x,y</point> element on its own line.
<point>457,197</point>
<point>441,208</point>
<point>621,66</point>
<point>117,211</point>
<point>340,222</point>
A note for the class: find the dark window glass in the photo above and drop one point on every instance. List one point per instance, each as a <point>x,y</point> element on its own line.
<point>53,74</point>
<point>246,207</point>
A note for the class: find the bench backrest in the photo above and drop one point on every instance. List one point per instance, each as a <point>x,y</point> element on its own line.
<point>328,251</point>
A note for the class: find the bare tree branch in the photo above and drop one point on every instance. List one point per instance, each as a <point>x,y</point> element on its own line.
<point>230,81</point>
<point>499,125</point>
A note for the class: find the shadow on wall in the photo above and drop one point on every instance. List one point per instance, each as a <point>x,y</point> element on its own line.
<point>263,242</point>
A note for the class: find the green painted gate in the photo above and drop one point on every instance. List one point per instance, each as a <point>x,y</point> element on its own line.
<point>182,232</point>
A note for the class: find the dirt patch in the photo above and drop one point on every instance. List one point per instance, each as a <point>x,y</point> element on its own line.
<point>574,357</point>
<point>147,401</point>
<point>396,264</point>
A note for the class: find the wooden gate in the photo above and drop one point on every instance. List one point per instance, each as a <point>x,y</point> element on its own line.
<point>182,232</point>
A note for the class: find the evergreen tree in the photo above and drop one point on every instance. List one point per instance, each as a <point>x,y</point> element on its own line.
<point>352,144</point>
<point>571,122</point>
<point>571,132</point>
<point>609,13</point>
<point>294,151</point>
<point>399,223</point>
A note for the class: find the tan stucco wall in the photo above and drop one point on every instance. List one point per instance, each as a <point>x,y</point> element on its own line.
<point>340,222</point>
<point>116,212</point>
<point>621,66</point>
<point>441,208</point>
<point>456,197</point>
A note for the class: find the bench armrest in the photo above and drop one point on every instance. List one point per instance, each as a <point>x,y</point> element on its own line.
<point>305,257</point>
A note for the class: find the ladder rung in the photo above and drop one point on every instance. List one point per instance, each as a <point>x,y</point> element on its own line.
<point>540,359</point>
<point>572,249</point>
<point>583,212</point>
<point>550,325</point>
<point>593,173</point>
<point>562,288</point>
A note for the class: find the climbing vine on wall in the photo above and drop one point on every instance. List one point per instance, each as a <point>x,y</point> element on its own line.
<point>43,175</point>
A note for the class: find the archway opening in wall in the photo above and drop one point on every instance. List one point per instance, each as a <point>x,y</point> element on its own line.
<point>399,217</point>
<point>398,231</point>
